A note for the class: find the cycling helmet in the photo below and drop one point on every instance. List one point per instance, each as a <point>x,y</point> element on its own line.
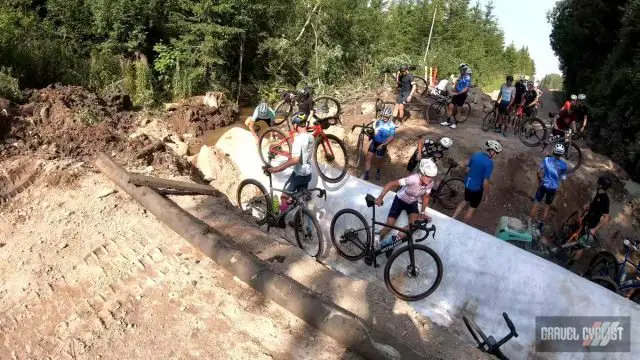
<point>509,78</point>
<point>299,118</point>
<point>386,112</point>
<point>304,92</point>
<point>446,142</point>
<point>558,149</point>
<point>582,97</point>
<point>404,67</point>
<point>262,110</point>
<point>463,66</point>
<point>469,71</point>
<point>574,97</point>
<point>604,183</point>
<point>493,145</point>
<point>428,168</point>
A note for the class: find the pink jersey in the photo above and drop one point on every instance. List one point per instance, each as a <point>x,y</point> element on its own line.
<point>413,189</point>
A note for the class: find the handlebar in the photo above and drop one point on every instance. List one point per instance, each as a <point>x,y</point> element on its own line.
<point>422,225</point>
<point>363,126</point>
<point>512,331</point>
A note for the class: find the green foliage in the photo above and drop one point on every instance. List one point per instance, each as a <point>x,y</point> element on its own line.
<point>552,81</point>
<point>9,87</point>
<point>596,42</point>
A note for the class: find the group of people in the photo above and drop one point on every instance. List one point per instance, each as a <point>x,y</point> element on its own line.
<point>523,98</point>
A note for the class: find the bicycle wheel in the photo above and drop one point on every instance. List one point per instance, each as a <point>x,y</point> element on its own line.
<point>463,113</point>
<point>436,112</point>
<point>569,227</point>
<point>308,233</point>
<point>327,107</point>
<point>516,125</point>
<point>408,268</point>
<point>477,334</point>
<point>421,85</point>
<point>603,263</point>
<point>573,157</point>
<point>331,158</point>
<point>533,132</point>
<point>605,282</point>
<point>359,149</point>
<point>274,147</point>
<point>350,234</point>
<point>252,198</point>
<point>450,193</point>
<point>283,111</point>
<point>635,297</point>
<point>489,120</point>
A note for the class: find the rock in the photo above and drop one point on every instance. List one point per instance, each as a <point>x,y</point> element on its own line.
<point>213,99</point>
<point>179,147</point>
<point>171,106</point>
<point>106,193</point>
<point>10,141</point>
<point>206,163</point>
<point>44,114</point>
<point>62,246</point>
<point>368,108</point>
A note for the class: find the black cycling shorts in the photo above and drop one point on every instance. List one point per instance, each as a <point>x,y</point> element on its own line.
<point>547,194</point>
<point>473,198</point>
<point>398,206</point>
<point>373,148</point>
<point>297,182</point>
<point>458,100</point>
<point>402,98</point>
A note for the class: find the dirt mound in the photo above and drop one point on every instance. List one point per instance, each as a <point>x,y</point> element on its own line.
<point>16,177</point>
<point>195,116</point>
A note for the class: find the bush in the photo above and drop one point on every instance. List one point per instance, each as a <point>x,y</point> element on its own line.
<point>9,87</point>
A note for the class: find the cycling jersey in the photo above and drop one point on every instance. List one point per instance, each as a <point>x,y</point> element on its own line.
<point>406,83</point>
<point>598,207</point>
<point>555,171</point>
<point>302,146</point>
<point>507,92</point>
<point>271,115</point>
<point>480,168</point>
<point>565,118</point>
<point>567,106</point>
<point>413,189</point>
<point>384,130</point>
<point>580,111</point>
<point>463,82</point>
<point>307,106</point>
<point>520,89</point>
<point>432,149</point>
<point>529,97</point>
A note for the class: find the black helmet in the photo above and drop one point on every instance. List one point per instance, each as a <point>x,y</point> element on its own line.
<point>304,92</point>
<point>604,183</point>
<point>509,78</point>
<point>404,67</point>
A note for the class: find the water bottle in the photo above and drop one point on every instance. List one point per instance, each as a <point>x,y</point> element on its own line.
<point>276,205</point>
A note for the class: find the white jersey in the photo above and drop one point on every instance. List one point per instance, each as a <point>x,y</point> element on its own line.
<point>303,147</point>
<point>508,92</point>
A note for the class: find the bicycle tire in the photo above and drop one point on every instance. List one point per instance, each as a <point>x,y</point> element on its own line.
<point>267,197</point>
<point>328,99</point>
<point>285,109</point>
<point>489,120</point>
<point>603,263</point>
<point>577,148</point>
<point>434,112</point>
<point>359,149</point>
<point>568,227</point>
<point>516,125</point>
<point>300,238</point>
<point>455,195</point>
<point>463,118</point>
<point>476,333</point>
<point>336,240</point>
<point>635,297</point>
<point>421,85</point>
<point>526,134</point>
<point>399,294</point>
<point>265,157</point>
<point>343,171</point>
<point>605,282</point>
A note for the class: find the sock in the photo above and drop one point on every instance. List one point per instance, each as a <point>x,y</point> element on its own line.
<point>378,171</point>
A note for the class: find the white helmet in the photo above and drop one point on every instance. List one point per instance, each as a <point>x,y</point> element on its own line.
<point>574,97</point>
<point>446,142</point>
<point>582,97</point>
<point>428,168</point>
<point>558,149</point>
<point>494,145</point>
<point>463,67</point>
<point>469,71</point>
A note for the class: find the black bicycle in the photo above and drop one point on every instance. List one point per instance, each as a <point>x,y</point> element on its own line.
<point>437,111</point>
<point>325,108</point>
<point>253,199</point>
<point>366,130</point>
<point>488,344</point>
<point>353,239</point>
<point>450,191</point>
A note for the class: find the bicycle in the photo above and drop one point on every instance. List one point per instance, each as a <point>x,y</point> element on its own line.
<point>436,112</point>
<point>450,191</point>
<point>334,152</point>
<point>356,242</point>
<point>422,86</point>
<point>326,108</point>
<point>490,118</point>
<point>606,271</point>
<point>534,132</point>
<point>517,119</point>
<point>252,198</point>
<point>366,130</point>
<point>488,344</point>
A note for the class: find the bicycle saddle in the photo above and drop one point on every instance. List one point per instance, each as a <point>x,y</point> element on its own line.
<point>371,200</point>
<point>633,245</point>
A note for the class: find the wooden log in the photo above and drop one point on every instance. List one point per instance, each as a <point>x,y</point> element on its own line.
<point>158,183</point>
<point>342,325</point>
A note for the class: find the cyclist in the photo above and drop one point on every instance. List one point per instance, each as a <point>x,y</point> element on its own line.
<point>306,104</point>
<point>550,175</point>
<point>564,121</point>
<point>385,132</point>
<point>459,96</point>
<point>581,111</point>
<point>300,160</point>
<point>407,87</point>
<point>506,98</point>
<point>529,99</point>
<point>521,87</point>
<point>262,113</point>
<point>414,187</point>
<point>429,149</point>
<point>570,103</point>
<point>441,88</point>
<point>476,182</point>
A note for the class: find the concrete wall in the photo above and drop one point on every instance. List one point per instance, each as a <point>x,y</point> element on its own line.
<point>483,276</point>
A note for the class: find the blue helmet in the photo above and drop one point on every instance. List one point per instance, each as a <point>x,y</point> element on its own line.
<point>299,118</point>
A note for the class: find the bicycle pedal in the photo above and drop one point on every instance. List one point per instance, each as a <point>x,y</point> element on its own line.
<point>368,260</point>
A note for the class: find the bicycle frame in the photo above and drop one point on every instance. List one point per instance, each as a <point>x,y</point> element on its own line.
<point>622,273</point>
<point>316,131</point>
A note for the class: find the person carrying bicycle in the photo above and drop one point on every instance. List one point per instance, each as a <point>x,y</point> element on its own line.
<point>300,160</point>
<point>429,149</point>
<point>384,134</point>
<point>529,99</point>
<point>407,87</point>
<point>581,112</point>
<point>552,172</point>
<point>459,96</point>
<point>476,182</point>
<point>262,113</point>
<point>564,121</point>
<point>306,104</point>
<point>414,187</point>
<point>506,99</point>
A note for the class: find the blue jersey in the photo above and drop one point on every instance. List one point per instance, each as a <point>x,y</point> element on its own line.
<point>463,82</point>
<point>384,130</point>
<point>480,168</point>
<point>555,170</point>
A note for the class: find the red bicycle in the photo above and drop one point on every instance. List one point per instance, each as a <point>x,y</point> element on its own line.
<point>329,152</point>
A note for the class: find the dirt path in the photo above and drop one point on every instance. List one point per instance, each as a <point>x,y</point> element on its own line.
<point>84,277</point>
